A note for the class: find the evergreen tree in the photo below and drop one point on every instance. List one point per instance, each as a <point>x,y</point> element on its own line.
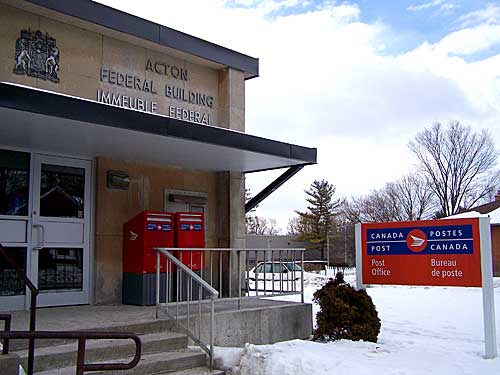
<point>317,222</point>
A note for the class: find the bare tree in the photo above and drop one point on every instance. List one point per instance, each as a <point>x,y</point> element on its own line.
<point>414,197</point>
<point>458,164</point>
<point>261,226</point>
<point>409,198</point>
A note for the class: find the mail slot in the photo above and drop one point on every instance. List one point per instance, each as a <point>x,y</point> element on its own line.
<point>141,235</point>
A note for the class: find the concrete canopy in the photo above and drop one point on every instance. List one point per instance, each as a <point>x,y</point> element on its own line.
<point>51,122</point>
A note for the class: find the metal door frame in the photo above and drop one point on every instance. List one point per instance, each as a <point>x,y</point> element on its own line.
<point>21,302</point>
<point>61,297</point>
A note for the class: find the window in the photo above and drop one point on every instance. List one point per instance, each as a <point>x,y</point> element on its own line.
<point>62,191</point>
<point>14,182</point>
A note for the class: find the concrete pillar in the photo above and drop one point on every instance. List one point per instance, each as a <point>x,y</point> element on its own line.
<point>232,116</point>
<point>232,99</point>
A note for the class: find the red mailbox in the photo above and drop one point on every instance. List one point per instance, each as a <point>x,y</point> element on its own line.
<point>190,233</point>
<point>141,235</point>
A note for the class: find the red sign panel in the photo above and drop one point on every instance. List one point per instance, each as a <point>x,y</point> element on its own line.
<point>431,252</point>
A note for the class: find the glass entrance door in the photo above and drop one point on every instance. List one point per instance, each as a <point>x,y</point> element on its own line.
<point>45,211</point>
<point>60,229</point>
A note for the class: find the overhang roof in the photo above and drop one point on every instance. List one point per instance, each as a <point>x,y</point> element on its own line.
<point>116,20</point>
<point>51,122</point>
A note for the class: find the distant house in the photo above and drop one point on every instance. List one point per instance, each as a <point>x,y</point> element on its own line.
<point>312,253</point>
<point>254,241</point>
<point>491,209</point>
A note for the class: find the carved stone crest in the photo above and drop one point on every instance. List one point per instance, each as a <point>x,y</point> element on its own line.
<point>37,56</point>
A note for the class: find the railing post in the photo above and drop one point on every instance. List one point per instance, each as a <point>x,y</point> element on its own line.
<point>239,279</point>
<point>157,291</point>
<point>7,319</point>
<point>212,327</point>
<point>31,345</point>
<point>80,359</point>
<point>302,276</point>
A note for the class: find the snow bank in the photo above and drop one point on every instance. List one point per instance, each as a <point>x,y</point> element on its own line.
<point>425,330</point>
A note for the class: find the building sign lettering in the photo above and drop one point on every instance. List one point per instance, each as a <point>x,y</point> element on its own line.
<point>150,86</point>
<point>167,70</point>
<point>126,101</point>
<point>37,56</point>
<point>127,80</point>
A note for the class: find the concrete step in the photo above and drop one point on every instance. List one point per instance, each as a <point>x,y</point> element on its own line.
<point>156,363</point>
<point>9,364</point>
<point>139,328</point>
<point>59,356</point>
<point>195,371</point>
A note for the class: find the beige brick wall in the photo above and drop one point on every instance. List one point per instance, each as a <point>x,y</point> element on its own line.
<point>84,52</point>
<point>146,192</point>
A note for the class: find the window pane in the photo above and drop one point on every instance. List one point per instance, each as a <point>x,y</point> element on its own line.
<point>277,267</point>
<point>14,182</point>
<point>60,269</point>
<point>268,267</point>
<point>10,283</point>
<point>62,191</point>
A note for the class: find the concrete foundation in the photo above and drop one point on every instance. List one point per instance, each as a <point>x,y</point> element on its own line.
<point>9,364</point>
<point>257,322</point>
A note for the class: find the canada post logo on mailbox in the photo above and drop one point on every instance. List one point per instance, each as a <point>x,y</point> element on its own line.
<point>430,252</point>
<point>159,227</point>
<point>195,227</point>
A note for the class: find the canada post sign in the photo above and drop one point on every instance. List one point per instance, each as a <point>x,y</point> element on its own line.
<point>433,252</point>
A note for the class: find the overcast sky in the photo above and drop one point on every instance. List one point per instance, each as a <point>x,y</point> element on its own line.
<point>355,79</point>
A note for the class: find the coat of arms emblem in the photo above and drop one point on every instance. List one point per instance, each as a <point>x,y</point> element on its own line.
<point>37,56</point>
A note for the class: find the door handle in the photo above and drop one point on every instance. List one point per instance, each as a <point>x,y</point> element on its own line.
<point>42,232</point>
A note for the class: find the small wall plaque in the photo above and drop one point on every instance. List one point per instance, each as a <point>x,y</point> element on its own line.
<point>117,180</point>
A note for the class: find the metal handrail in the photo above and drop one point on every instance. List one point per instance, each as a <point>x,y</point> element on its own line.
<point>82,337</point>
<point>292,255</point>
<point>202,285</point>
<point>230,249</point>
<point>232,289</point>
<point>33,295</point>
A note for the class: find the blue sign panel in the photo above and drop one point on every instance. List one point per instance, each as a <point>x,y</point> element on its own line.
<point>185,226</point>
<point>159,227</point>
<point>453,239</point>
<point>151,226</point>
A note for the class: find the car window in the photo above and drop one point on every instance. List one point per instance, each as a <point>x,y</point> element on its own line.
<point>293,266</point>
<point>269,268</point>
<point>277,268</point>
<point>260,268</point>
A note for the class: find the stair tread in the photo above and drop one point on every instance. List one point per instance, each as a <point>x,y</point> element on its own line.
<point>139,327</point>
<point>145,362</point>
<point>194,371</point>
<point>104,343</point>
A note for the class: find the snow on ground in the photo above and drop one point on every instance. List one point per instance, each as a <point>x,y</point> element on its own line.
<point>425,330</point>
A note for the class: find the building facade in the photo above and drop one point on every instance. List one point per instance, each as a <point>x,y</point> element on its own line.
<point>104,115</point>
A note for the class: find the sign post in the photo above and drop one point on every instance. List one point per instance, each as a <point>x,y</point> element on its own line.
<point>447,252</point>
<point>490,337</point>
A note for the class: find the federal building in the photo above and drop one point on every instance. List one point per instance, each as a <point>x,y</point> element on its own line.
<point>105,116</point>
